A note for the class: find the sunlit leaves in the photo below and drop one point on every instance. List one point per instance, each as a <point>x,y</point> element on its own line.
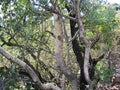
<point>101,19</point>
<point>89,34</point>
<point>105,73</point>
<point>99,28</point>
<point>24,2</point>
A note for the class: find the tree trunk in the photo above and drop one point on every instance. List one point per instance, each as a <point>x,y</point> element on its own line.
<point>79,51</point>
<point>59,53</point>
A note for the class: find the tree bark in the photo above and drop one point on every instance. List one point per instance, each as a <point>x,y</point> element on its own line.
<point>33,75</point>
<point>59,53</point>
<point>86,43</point>
<point>81,49</point>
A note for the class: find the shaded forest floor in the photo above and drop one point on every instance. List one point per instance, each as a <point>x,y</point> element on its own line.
<point>109,87</point>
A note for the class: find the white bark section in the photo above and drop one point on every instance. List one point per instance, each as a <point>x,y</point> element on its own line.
<point>59,46</point>
<point>59,53</point>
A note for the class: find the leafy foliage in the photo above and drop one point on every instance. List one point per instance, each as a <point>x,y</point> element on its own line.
<point>105,73</point>
<point>26,30</point>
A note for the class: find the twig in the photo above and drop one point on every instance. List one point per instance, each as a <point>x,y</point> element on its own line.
<point>54,11</point>
<point>74,36</point>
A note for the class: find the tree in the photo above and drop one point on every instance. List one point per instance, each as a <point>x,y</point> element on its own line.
<point>26,26</point>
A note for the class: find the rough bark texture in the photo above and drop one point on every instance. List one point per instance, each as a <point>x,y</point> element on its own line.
<point>59,53</point>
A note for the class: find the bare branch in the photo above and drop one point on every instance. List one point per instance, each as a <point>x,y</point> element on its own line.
<point>22,64</point>
<point>9,43</point>
<point>50,33</point>
<point>95,41</point>
<point>47,86</point>
<point>74,36</point>
<point>99,58</point>
<point>54,11</point>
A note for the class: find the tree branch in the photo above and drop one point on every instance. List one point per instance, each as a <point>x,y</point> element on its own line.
<point>86,43</point>
<point>76,33</point>
<point>95,41</point>
<point>30,71</point>
<point>54,11</point>
<point>22,64</point>
<point>99,58</point>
